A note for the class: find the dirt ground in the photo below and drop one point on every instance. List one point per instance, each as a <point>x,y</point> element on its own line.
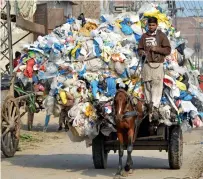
<point>52,155</point>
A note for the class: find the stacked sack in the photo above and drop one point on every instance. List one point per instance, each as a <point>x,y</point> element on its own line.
<point>83,64</point>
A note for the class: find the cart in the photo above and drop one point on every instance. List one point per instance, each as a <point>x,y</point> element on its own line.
<point>164,137</point>
<point>11,102</point>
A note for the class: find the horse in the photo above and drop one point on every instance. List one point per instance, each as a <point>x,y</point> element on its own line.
<point>128,117</point>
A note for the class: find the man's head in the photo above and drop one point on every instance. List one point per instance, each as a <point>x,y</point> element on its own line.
<point>152,24</point>
<point>17,54</point>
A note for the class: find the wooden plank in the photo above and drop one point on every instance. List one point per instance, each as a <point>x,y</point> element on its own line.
<point>40,17</point>
<point>30,26</point>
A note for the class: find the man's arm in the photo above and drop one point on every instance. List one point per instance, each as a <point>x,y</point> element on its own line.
<point>165,48</point>
<point>141,51</point>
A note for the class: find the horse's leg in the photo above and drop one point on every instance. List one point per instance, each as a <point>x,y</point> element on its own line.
<point>120,152</point>
<point>129,162</point>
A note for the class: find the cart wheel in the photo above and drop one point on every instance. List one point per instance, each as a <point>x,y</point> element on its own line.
<point>98,153</point>
<point>10,126</point>
<point>175,149</point>
<point>30,117</point>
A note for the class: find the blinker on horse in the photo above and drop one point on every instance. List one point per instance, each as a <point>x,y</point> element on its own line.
<point>127,121</point>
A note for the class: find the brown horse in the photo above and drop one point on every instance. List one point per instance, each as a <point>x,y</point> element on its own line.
<point>128,118</point>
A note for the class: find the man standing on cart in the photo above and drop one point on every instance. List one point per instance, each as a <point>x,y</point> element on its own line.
<point>154,46</point>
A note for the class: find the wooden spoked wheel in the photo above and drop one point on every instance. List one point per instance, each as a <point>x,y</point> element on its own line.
<point>10,126</point>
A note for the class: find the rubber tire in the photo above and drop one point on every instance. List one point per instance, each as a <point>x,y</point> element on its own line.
<point>99,155</point>
<point>30,117</point>
<point>175,148</point>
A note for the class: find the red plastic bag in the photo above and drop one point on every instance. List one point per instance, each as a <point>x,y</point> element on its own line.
<point>28,72</point>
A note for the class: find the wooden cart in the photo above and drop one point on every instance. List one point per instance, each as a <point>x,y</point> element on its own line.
<point>11,101</point>
<point>168,138</point>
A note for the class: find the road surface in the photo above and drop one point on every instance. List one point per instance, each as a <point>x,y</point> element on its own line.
<point>52,155</point>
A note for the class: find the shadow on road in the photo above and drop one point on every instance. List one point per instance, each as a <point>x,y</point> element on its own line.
<point>39,128</point>
<point>83,163</point>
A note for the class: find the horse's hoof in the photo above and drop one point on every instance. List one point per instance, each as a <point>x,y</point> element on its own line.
<point>60,128</point>
<point>131,171</point>
<point>117,176</point>
<point>124,173</point>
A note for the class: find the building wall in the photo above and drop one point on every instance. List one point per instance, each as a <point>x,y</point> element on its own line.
<point>67,6</point>
<point>91,9</point>
<point>187,27</point>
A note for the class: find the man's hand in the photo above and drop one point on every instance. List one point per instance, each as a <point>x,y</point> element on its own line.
<point>142,53</point>
<point>154,49</point>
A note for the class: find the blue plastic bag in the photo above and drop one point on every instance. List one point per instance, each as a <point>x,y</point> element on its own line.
<point>70,21</point>
<point>111,87</point>
<point>127,30</point>
<point>185,96</point>
<point>110,27</point>
<point>137,37</point>
<point>103,19</point>
<point>94,86</point>
<point>97,49</point>
<point>35,79</point>
<point>70,33</point>
<point>82,72</point>
<point>77,53</point>
<point>58,46</point>
<point>124,74</point>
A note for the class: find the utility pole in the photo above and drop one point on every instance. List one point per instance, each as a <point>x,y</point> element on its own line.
<point>6,38</point>
<point>137,5</point>
<point>10,49</point>
<point>197,45</point>
<point>173,10</point>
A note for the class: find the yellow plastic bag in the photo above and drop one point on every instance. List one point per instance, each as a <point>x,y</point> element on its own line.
<point>73,52</point>
<point>160,16</point>
<point>63,96</point>
<point>181,85</point>
<point>117,23</point>
<point>89,111</point>
<point>84,32</point>
<point>88,27</point>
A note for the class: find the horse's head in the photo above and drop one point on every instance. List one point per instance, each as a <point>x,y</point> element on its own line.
<point>121,104</point>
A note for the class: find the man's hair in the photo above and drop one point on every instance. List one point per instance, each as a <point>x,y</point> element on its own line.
<point>152,20</point>
<point>17,54</point>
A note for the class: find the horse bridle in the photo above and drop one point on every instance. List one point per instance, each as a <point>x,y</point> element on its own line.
<point>128,113</point>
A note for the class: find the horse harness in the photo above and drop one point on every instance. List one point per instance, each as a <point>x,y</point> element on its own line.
<point>129,101</point>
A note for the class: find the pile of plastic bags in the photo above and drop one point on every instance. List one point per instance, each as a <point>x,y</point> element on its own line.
<point>84,64</point>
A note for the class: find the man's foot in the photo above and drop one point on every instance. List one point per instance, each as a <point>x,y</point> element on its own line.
<point>44,129</point>
<point>155,113</point>
<point>66,128</point>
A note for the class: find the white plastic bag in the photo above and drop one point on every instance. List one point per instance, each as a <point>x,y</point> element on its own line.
<point>188,52</point>
<point>49,104</point>
<point>187,106</point>
<point>72,134</point>
<point>134,18</point>
<point>146,7</point>
<point>94,64</point>
<point>119,67</point>
<point>137,29</point>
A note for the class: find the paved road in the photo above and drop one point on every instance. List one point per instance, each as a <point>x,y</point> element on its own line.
<point>56,157</point>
